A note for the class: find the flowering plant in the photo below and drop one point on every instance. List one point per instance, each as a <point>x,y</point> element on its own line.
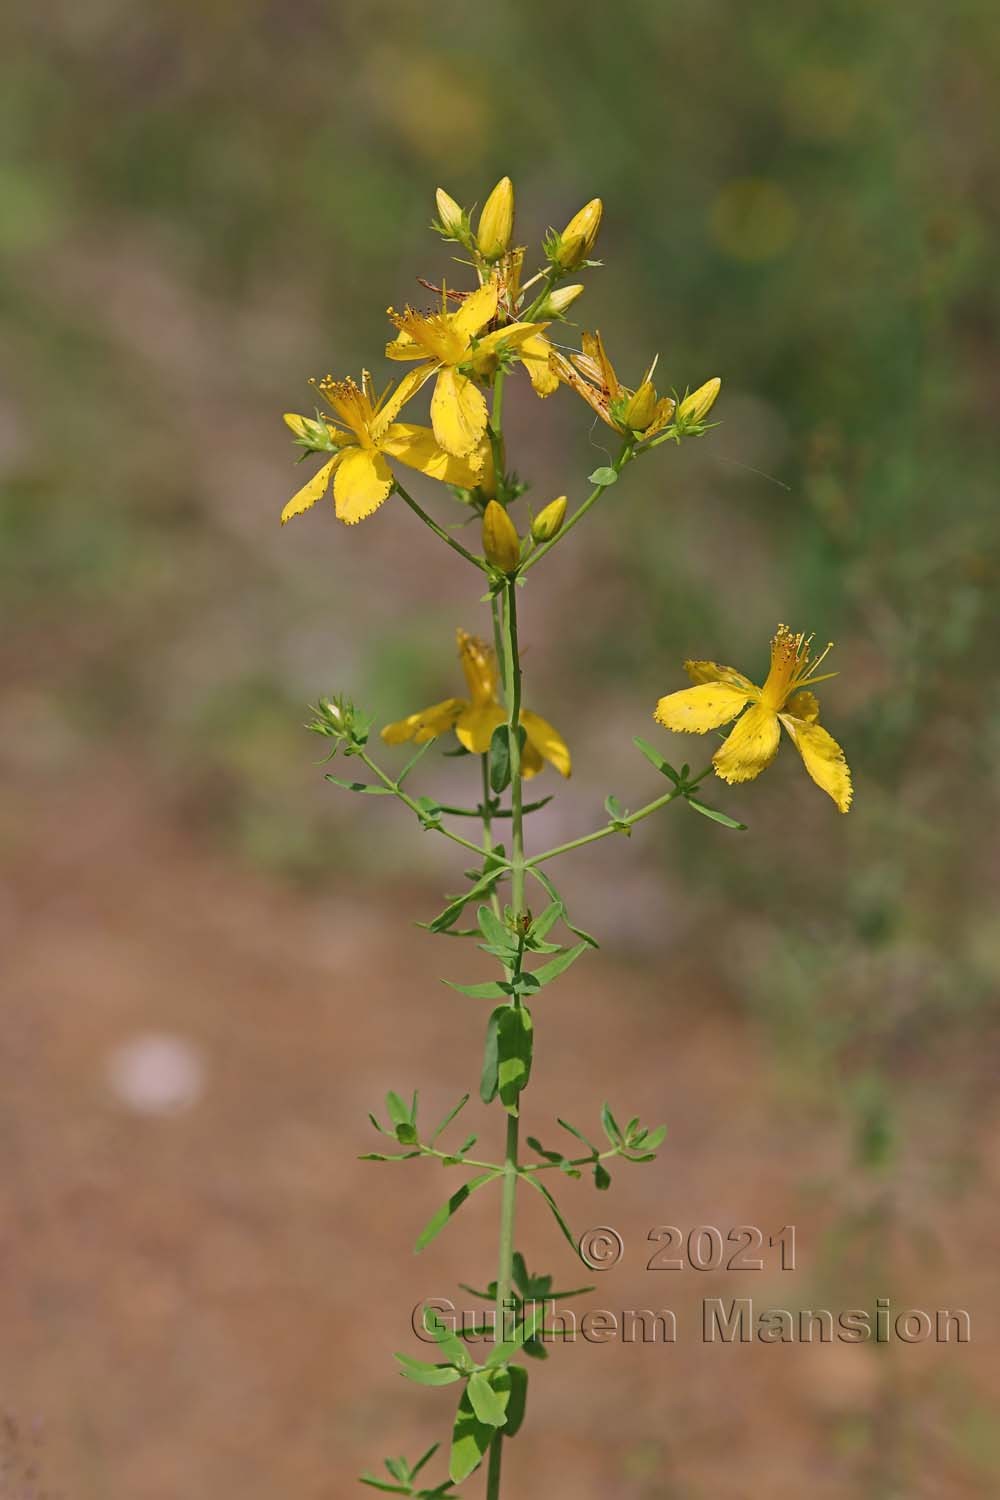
<point>468,344</point>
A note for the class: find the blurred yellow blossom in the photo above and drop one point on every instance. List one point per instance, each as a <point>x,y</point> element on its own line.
<point>475,718</point>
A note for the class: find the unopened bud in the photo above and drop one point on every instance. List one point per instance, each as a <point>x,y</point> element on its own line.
<point>549,520</point>
<point>501,543</point>
<point>578,238</point>
<point>496,222</point>
<point>558,301</point>
<point>696,407</point>
<point>638,412</point>
<point>450,215</point>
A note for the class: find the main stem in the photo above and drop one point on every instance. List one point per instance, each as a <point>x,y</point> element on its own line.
<point>508,1202</point>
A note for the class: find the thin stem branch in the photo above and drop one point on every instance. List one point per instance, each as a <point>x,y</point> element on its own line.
<point>578,515</point>
<point>629,819</point>
<point>408,801</point>
<point>439,531</point>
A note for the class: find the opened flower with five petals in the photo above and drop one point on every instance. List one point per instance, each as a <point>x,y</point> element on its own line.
<point>475,718</point>
<point>365,436</point>
<point>720,693</point>
<point>459,353</point>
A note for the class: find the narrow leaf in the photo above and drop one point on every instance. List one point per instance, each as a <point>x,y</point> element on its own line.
<point>449,1117</point>
<point>422,1373</point>
<point>489,1082</point>
<point>518,1399</point>
<point>559,965</point>
<point>490,990</point>
<point>553,1205</point>
<point>656,759</point>
<point>434,1227</point>
<point>470,1440</point>
<point>715,815</point>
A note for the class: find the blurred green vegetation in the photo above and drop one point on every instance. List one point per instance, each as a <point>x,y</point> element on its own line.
<point>202,206</point>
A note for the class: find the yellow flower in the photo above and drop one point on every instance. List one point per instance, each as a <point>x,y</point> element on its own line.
<point>591,374</point>
<point>475,718</point>
<point>496,222</point>
<point>365,436</point>
<point>721,693</point>
<point>458,352</point>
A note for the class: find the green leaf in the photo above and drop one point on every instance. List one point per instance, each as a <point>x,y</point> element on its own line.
<point>501,1353</point>
<point>578,1133</point>
<point>359,786</point>
<point>433,1228</point>
<point>449,1117</point>
<point>489,1405</point>
<point>401,1118</point>
<point>611,1127</point>
<point>491,989</point>
<point>489,1082</point>
<point>500,756</point>
<point>493,930</point>
<point>655,1138</point>
<point>714,814</point>
<point>425,1460</point>
<point>559,965</point>
<point>518,1399</point>
<point>481,887</point>
<point>447,1341</point>
<point>422,1373</point>
<point>514,1048</point>
<point>546,883</point>
<point>470,1440</point>
<point>656,759</point>
<point>604,477</point>
<point>553,1205</point>
<point>429,812</point>
<point>602,1177</point>
<point>545,921</point>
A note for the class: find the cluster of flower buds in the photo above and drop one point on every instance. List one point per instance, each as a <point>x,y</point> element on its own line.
<point>341,721</point>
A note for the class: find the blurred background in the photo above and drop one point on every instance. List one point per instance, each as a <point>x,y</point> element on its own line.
<point>210,971</point>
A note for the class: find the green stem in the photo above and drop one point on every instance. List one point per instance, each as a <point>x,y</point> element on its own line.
<point>552,277</point>
<point>629,819</point>
<point>508,1206</point>
<point>439,531</point>
<point>579,514</point>
<point>397,791</point>
<point>496,430</point>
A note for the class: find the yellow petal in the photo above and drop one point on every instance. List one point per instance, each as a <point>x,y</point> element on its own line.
<point>362,482</point>
<point>823,758</point>
<point>476,725</point>
<point>478,309</point>
<point>711,671</point>
<point>418,447</point>
<point>696,709</point>
<point>531,761</point>
<point>548,742</point>
<point>512,336</point>
<point>425,725</point>
<point>313,491</point>
<point>534,354</point>
<point>458,413</point>
<point>479,668</point>
<point>392,404</point>
<point>751,746</point>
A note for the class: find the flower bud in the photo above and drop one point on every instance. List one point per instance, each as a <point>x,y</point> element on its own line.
<point>558,301</point>
<point>696,407</point>
<point>578,238</point>
<point>450,215</point>
<point>639,411</point>
<point>496,222</point>
<point>549,520</point>
<point>500,540</point>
